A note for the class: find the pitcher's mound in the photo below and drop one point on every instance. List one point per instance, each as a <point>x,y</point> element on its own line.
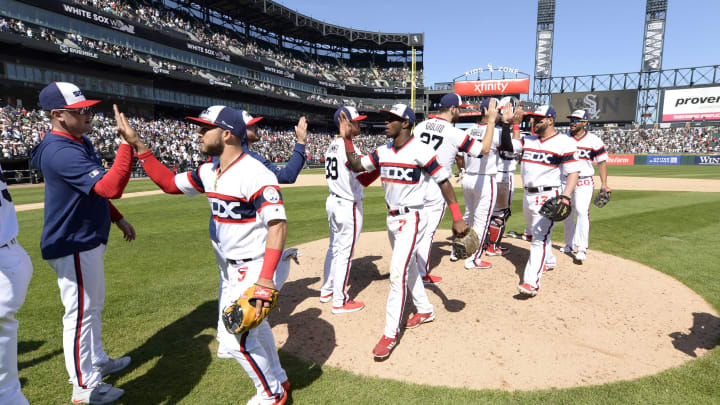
<point>606,320</point>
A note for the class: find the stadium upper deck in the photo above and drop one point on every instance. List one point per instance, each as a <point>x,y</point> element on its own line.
<point>299,67</point>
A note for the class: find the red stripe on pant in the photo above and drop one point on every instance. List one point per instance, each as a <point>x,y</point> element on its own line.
<point>482,237</point>
<point>542,262</point>
<point>352,251</point>
<point>404,274</point>
<point>255,367</point>
<point>80,314</point>
<point>427,262</point>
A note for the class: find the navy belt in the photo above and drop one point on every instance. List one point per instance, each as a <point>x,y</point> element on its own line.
<point>399,211</point>
<point>11,242</point>
<point>240,261</point>
<point>540,189</point>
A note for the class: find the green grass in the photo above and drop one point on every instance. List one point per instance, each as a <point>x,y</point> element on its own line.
<point>162,289</point>
<point>684,171</point>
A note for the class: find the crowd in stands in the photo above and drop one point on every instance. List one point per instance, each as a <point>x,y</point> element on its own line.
<point>176,144</point>
<point>231,41</point>
<point>662,140</point>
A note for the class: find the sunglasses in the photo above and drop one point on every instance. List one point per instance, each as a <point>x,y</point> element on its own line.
<point>82,111</point>
<point>575,120</point>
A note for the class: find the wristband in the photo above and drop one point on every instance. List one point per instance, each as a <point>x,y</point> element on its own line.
<point>270,262</point>
<point>455,211</point>
<point>349,147</point>
<point>516,127</point>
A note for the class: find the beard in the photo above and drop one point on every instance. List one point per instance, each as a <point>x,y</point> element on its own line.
<point>214,149</point>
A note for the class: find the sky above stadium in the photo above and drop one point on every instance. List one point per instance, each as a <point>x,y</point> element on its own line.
<point>591,37</point>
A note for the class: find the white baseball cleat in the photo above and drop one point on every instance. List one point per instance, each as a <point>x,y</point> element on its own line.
<point>325,298</point>
<point>100,393</point>
<point>581,255</point>
<point>112,365</point>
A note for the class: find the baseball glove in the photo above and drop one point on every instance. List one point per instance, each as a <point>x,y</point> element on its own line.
<point>557,208</point>
<point>241,316</point>
<point>602,198</point>
<point>465,244</point>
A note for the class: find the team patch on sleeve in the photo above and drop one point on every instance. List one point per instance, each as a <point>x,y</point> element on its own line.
<point>268,195</point>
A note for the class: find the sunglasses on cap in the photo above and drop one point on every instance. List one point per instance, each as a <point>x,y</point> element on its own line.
<point>82,111</point>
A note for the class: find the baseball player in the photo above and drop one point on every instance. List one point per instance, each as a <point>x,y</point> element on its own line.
<point>440,133</point>
<point>507,163</point>
<point>590,149</point>
<point>479,187</point>
<point>405,164</point>
<point>344,208</point>
<point>16,270</point>
<point>251,227</point>
<point>75,232</point>
<point>285,175</point>
<point>546,156</point>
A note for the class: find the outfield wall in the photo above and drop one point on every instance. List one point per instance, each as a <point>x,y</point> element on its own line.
<point>664,160</point>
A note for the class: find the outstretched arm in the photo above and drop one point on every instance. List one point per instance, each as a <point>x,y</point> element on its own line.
<point>352,157</point>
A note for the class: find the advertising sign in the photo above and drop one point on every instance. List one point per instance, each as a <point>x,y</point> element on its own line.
<point>621,160</point>
<point>602,106</point>
<point>707,160</point>
<point>492,87</point>
<point>664,160</point>
<point>699,103</point>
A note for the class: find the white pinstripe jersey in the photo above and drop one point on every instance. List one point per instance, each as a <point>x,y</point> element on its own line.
<point>487,164</point>
<point>447,141</point>
<point>405,171</point>
<point>590,148</point>
<point>243,199</point>
<point>340,178</point>
<point>543,162</point>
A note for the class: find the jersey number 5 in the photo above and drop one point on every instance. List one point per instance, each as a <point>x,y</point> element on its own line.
<point>331,168</point>
<point>426,138</point>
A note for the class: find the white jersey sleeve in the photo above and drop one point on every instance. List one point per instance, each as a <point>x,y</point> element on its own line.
<point>8,218</point>
<point>570,162</point>
<point>269,203</point>
<point>370,162</point>
<point>190,183</point>
<point>428,161</point>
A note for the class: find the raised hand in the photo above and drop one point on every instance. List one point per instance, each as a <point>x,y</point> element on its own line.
<point>126,131</point>
<point>491,111</point>
<point>345,127</point>
<point>301,130</point>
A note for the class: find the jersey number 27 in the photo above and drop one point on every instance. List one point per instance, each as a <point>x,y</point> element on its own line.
<point>436,139</point>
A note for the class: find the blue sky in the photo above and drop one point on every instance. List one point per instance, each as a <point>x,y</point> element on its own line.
<point>591,37</point>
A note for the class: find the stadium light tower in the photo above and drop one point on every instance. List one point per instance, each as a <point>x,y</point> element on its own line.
<point>653,40</point>
<point>544,51</point>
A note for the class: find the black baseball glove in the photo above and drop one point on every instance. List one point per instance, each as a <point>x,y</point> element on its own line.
<point>557,208</point>
<point>602,198</point>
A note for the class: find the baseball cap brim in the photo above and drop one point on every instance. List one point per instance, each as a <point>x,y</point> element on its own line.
<point>253,121</point>
<point>201,121</point>
<point>534,114</point>
<point>574,116</point>
<point>392,113</point>
<point>359,118</point>
<point>82,104</point>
